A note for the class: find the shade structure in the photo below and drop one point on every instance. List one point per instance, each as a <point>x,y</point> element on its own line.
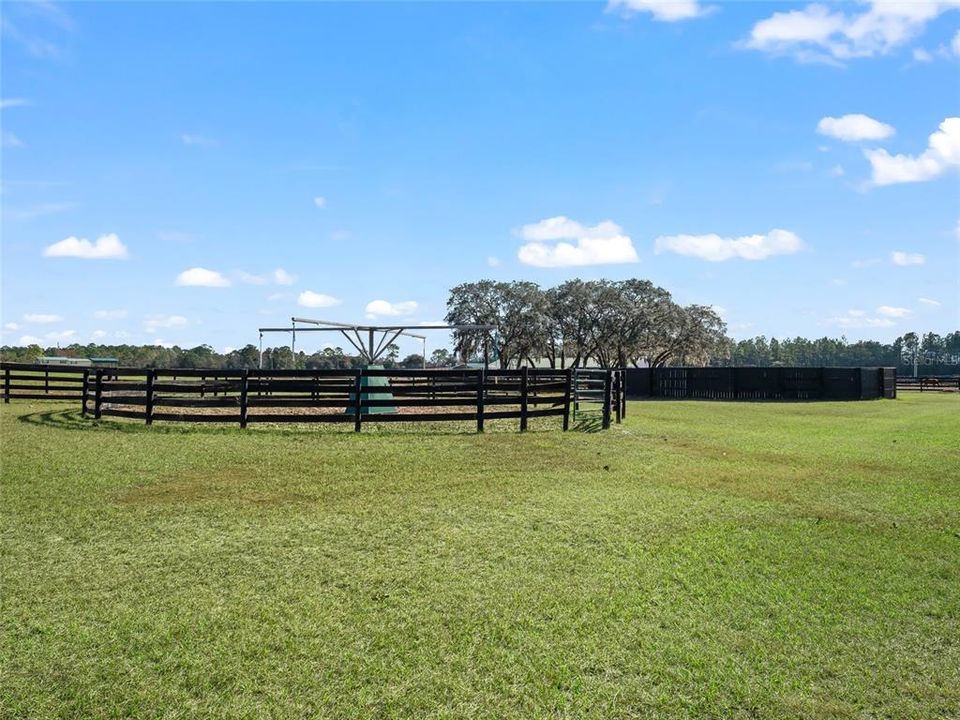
<point>374,393</point>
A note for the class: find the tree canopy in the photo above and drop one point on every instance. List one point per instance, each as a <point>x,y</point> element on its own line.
<point>604,322</point>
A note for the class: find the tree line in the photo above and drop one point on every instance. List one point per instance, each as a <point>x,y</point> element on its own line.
<point>930,350</point>
<point>204,356</point>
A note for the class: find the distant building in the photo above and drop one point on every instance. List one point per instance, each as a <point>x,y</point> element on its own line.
<point>77,362</point>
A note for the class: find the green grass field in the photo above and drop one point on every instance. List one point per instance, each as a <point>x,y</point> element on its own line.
<point>702,560</point>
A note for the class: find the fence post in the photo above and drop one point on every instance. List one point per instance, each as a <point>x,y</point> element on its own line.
<point>6,385</point>
<point>566,399</point>
<point>357,404</point>
<point>148,408</point>
<point>83,392</point>
<point>244,388</point>
<point>618,392</point>
<point>524,372</point>
<point>607,392</point>
<point>98,395</point>
<point>46,381</point>
<point>481,379</point>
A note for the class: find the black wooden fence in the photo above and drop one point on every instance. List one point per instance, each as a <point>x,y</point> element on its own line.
<point>325,396</point>
<point>933,383</point>
<point>762,383</point>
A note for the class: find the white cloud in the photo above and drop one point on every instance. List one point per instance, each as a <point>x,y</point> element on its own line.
<point>99,334</point>
<point>11,326</point>
<point>955,43</point>
<point>893,312</point>
<point>493,261</point>
<point>854,128</point>
<point>859,319</point>
<point>36,45</point>
<point>62,336</point>
<point>311,299</point>
<point>42,318</point>
<point>278,276</point>
<point>8,139</point>
<point>922,56</point>
<point>282,277</point>
<point>159,342</point>
<point>110,314</point>
<point>13,102</point>
<point>928,301</point>
<point>822,33</point>
<point>717,249</point>
<point>50,337</point>
<point>201,277</point>
<point>152,323</point>
<point>198,140</point>
<point>663,10</point>
<point>273,297</point>
<point>106,247</point>
<point>39,210</point>
<point>868,262</point>
<point>250,279</point>
<point>837,171</point>
<point>602,244</point>
<point>898,257</point>
<point>941,155</point>
<point>378,308</point>
<point>320,201</point>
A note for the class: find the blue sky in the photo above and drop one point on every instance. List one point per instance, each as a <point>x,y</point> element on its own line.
<point>185,173</point>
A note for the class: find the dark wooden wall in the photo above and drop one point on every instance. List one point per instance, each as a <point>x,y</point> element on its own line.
<point>759,383</point>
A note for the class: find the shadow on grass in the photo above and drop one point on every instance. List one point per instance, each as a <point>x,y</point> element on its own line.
<point>588,424</point>
<point>75,421</point>
<point>72,420</point>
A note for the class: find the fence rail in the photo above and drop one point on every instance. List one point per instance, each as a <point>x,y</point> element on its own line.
<point>759,383</point>
<point>244,397</point>
<point>924,383</point>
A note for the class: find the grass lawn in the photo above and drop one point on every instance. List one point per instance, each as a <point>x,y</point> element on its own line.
<point>704,559</point>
